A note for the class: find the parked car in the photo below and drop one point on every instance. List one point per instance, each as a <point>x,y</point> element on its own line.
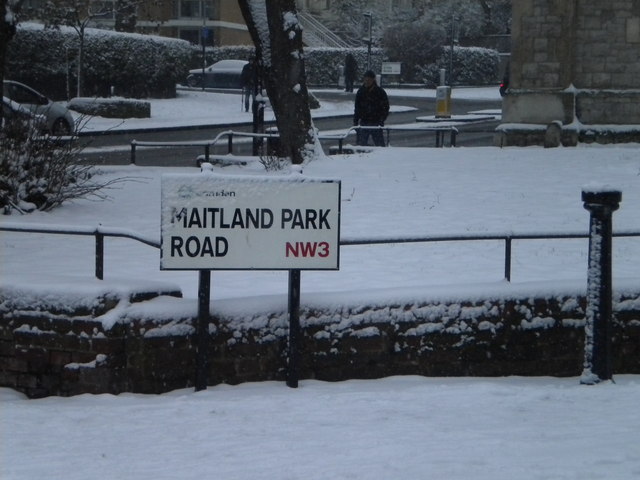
<point>14,114</point>
<point>222,74</point>
<point>58,118</point>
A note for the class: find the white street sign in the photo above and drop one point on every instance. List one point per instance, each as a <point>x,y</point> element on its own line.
<point>221,222</point>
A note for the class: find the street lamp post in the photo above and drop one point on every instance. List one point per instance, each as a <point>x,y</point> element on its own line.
<point>203,39</point>
<point>454,40</point>
<point>369,16</point>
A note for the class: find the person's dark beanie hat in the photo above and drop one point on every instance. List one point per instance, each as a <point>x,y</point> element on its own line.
<point>370,74</point>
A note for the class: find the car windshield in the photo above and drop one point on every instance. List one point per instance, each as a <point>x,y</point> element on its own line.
<point>21,94</point>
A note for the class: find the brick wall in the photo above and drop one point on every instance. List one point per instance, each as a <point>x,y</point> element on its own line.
<point>57,352</point>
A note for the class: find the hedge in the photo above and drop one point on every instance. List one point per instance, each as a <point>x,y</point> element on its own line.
<point>143,66</point>
<point>321,63</point>
<point>471,66</point>
<point>130,65</point>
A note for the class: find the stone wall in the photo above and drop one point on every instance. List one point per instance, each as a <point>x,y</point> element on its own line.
<point>48,351</point>
<point>585,49</point>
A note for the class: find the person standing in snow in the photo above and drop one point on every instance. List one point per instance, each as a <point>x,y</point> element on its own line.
<point>350,72</point>
<point>371,110</point>
<point>248,82</point>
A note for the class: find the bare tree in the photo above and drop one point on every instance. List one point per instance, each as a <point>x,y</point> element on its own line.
<point>77,14</point>
<point>277,36</point>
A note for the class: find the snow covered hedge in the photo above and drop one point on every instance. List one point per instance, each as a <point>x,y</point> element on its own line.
<point>471,66</point>
<point>321,64</point>
<point>134,65</point>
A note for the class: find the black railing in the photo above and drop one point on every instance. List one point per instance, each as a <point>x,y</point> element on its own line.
<point>338,137</point>
<point>98,233</point>
<point>101,232</point>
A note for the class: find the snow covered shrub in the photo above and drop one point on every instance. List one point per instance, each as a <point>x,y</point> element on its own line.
<point>41,172</point>
<point>41,59</point>
<point>111,107</point>
<point>321,64</point>
<point>134,65</point>
<point>414,44</point>
<point>471,66</point>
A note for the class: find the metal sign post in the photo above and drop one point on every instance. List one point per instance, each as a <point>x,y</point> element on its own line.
<point>246,222</point>
<point>202,330</point>
<point>293,365</point>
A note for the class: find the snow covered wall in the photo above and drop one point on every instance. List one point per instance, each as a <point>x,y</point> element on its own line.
<point>144,340</point>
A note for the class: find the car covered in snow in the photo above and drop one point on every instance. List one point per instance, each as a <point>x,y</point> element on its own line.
<point>58,118</point>
<point>222,74</point>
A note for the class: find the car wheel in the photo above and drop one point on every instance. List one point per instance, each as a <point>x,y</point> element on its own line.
<point>61,127</point>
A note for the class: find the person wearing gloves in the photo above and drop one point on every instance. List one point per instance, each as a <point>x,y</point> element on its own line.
<point>371,110</point>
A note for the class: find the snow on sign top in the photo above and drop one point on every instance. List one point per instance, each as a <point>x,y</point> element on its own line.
<point>220,222</point>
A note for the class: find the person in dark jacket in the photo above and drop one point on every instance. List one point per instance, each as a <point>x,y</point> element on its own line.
<point>371,110</point>
<point>350,72</point>
<point>248,82</point>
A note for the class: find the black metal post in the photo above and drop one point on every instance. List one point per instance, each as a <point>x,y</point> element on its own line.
<point>257,109</point>
<point>133,152</point>
<point>293,368</point>
<point>202,330</point>
<point>370,40</point>
<point>598,327</point>
<point>507,258</point>
<point>207,150</point>
<point>99,255</point>
<point>230,143</point>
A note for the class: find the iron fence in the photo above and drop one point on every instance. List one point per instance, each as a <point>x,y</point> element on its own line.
<point>340,138</point>
<point>100,232</point>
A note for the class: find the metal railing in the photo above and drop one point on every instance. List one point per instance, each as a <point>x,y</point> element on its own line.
<point>100,233</point>
<point>229,135</point>
<point>316,34</point>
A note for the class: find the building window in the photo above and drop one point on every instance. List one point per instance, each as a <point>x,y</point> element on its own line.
<point>193,9</point>
<point>190,8</point>
<point>193,35</point>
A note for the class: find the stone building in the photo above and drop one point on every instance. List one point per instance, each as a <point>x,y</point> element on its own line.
<point>574,73</point>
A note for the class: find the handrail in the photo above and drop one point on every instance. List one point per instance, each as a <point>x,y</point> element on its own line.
<point>317,29</point>
<point>340,137</point>
<point>100,232</point>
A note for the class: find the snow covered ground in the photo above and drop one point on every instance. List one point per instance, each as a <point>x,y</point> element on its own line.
<point>401,427</point>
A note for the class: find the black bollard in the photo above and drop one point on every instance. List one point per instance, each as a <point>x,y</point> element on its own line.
<point>597,345</point>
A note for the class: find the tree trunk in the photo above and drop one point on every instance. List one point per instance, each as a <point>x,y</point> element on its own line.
<point>7,30</point>
<point>277,35</point>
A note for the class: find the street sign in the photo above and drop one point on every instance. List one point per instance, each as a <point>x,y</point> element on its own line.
<point>391,68</point>
<point>222,222</point>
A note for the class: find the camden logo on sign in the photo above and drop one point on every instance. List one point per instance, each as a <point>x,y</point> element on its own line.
<point>221,222</point>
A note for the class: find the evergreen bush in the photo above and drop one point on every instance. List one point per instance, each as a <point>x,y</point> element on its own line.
<point>471,66</point>
<point>131,65</point>
<point>322,64</point>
